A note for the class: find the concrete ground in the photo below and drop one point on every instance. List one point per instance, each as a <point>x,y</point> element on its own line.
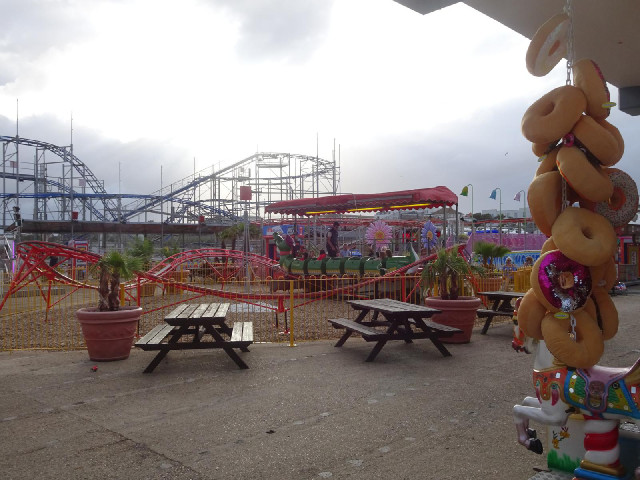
<point>304,412</point>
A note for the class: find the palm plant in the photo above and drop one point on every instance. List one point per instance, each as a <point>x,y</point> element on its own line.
<point>114,267</point>
<point>487,251</point>
<point>233,232</point>
<point>144,250</point>
<point>445,269</point>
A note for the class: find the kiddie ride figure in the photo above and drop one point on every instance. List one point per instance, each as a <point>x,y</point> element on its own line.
<point>358,266</point>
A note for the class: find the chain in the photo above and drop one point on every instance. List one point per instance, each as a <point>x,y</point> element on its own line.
<point>573,328</point>
<point>569,11</point>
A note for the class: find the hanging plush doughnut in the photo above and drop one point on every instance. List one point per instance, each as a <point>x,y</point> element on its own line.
<point>588,77</point>
<point>547,161</point>
<point>607,313</point>
<point>530,315</point>
<point>540,149</point>
<point>587,180</point>
<point>559,283</point>
<point>553,115</point>
<point>583,351</point>
<point>545,200</point>
<point>600,138</point>
<point>622,206</point>
<point>548,46</point>
<point>604,276</point>
<point>548,245</point>
<point>584,236</point>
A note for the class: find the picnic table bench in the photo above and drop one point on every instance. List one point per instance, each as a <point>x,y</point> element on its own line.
<point>501,306</point>
<point>189,326</point>
<point>401,321</point>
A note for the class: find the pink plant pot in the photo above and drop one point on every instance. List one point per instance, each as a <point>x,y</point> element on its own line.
<point>460,313</point>
<point>109,335</point>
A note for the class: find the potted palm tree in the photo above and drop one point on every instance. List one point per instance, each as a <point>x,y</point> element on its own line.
<point>109,329</point>
<point>143,249</point>
<point>488,252</point>
<point>457,311</point>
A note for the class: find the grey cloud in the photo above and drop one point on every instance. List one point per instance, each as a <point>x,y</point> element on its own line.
<point>279,30</point>
<point>139,160</point>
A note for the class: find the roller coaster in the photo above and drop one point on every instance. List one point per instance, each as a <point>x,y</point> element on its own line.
<point>54,184</point>
<point>35,267</point>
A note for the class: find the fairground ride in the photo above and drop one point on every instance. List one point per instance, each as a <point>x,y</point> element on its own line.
<point>43,182</point>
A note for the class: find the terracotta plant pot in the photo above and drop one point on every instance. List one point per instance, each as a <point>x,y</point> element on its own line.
<point>109,335</point>
<point>460,313</point>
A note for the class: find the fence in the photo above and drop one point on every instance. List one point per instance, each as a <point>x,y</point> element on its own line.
<point>42,316</point>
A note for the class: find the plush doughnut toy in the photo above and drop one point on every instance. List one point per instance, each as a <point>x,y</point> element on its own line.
<point>604,276</point>
<point>584,350</point>
<point>587,180</point>
<point>545,200</point>
<point>548,45</point>
<point>622,206</point>
<point>553,115</point>
<point>584,236</point>
<point>588,77</point>
<point>548,245</point>
<point>547,162</point>
<point>607,314</point>
<point>530,315</point>
<point>559,283</point>
<point>600,138</point>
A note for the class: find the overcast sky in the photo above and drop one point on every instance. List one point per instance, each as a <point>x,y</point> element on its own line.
<point>413,101</point>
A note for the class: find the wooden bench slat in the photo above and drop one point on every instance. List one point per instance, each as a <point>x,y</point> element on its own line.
<point>440,327</point>
<point>176,311</point>
<point>242,332</point>
<point>482,312</point>
<point>211,310</point>
<point>364,330</point>
<point>155,335</point>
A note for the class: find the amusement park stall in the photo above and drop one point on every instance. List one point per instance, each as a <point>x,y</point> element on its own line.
<point>352,203</point>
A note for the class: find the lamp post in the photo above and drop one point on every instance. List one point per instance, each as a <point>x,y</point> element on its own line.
<point>524,213</point>
<point>493,196</point>
<point>464,193</point>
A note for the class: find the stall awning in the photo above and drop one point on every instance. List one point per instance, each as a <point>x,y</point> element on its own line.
<point>367,202</point>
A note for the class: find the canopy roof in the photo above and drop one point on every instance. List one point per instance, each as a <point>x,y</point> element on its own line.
<point>367,202</point>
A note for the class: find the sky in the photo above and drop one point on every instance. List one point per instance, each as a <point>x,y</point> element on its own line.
<point>412,101</point>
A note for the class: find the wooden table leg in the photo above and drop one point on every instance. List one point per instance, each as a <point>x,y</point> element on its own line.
<point>232,354</point>
<point>175,336</point>
<point>375,350</point>
<point>156,360</point>
<point>440,346</point>
<point>343,338</point>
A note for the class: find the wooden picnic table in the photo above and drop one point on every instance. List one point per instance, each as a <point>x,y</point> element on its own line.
<point>197,326</point>
<point>401,321</point>
<point>501,306</point>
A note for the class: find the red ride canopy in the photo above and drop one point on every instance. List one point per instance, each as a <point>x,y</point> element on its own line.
<point>367,202</point>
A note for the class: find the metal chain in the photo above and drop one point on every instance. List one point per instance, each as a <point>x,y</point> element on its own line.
<point>569,11</point>
<point>573,328</point>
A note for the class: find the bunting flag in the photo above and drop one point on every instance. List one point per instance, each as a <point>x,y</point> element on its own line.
<point>517,197</point>
<point>493,194</point>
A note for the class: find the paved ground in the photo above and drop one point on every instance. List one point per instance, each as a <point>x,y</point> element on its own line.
<point>311,411</point>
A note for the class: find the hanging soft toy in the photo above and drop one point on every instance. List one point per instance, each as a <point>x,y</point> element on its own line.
<point>578,200</point>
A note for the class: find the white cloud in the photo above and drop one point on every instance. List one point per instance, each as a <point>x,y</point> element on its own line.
<point>413,101</point>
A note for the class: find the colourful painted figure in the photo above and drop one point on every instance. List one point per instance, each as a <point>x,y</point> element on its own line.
<point>341,265</point>
<point>604,395</point>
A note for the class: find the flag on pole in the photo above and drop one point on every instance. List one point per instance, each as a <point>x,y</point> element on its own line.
<point>517,197</point>
<point>465,191</point>
<point>493,194</point>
